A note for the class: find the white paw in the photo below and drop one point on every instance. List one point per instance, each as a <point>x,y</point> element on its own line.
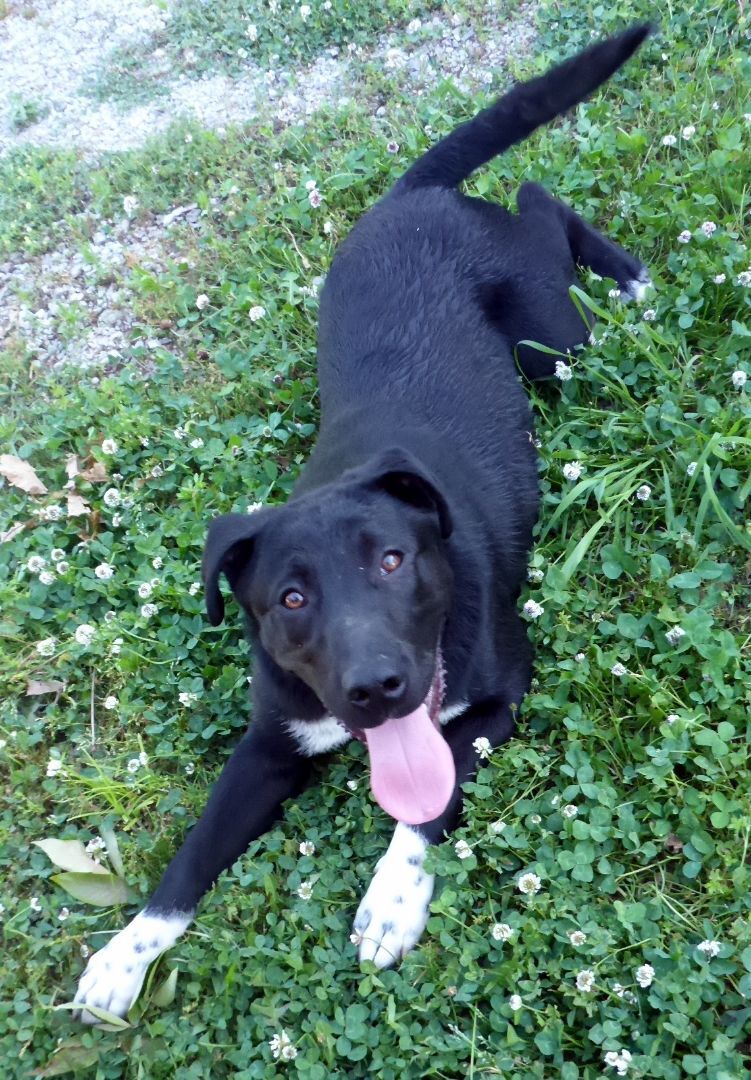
<point>392,914</point>
<point>114,976</point>
<point>636,289</point>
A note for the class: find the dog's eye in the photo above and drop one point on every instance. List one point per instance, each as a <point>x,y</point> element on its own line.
<point>293,600</point>
<point>391,561</point>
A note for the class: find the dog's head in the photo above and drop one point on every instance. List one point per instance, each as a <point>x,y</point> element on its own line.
<point>347,586</point>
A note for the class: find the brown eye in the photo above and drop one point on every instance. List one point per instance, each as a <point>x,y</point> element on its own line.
<point>294,600</point>
<point>391,561</point>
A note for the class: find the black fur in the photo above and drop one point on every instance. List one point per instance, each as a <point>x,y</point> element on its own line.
<point>425,449</point>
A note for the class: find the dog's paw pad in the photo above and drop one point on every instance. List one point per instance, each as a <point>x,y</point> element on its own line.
<point>393,913</point>
<point>636,288</point>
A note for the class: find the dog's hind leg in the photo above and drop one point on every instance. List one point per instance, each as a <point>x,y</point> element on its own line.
<point>589,247</point>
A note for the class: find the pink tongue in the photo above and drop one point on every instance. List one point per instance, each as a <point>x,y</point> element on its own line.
<point>412,772</point>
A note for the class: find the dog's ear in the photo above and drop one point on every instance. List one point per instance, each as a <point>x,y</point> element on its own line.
<point>402,476</point>
<point>228,546</point>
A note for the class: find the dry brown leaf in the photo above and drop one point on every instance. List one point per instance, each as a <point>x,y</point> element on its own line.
<point>21,475</point>
<point>35,687</point>
<point>97,474</point>
<point>12,532</point>
<point>71,467</point>
<point>77,506</point>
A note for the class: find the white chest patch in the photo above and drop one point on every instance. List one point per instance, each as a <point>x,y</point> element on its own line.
<point>318,736</point>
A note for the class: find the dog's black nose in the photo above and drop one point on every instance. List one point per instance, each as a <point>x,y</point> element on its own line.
<point>373,691</point>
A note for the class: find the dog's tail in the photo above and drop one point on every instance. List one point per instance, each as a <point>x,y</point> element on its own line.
<point>519,112</point>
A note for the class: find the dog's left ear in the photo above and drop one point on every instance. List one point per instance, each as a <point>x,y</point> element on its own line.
<point>401,475</point>
<point>229,545</point>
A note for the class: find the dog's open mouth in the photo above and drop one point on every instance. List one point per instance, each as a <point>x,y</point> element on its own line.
<point>412,773</point>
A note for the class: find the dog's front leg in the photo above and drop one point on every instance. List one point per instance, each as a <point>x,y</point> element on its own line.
<point>393,913</point>
<point>265,769</point>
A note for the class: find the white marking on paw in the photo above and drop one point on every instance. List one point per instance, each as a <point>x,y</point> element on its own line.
<point>318,736</point>
<point>392,914</point>
<point>636,289</point>
<point>114,975</point>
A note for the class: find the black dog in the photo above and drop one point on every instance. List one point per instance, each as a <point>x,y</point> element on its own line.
<point>382,599</point>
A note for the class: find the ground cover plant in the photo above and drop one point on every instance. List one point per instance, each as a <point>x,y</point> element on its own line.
<point>594,916</point>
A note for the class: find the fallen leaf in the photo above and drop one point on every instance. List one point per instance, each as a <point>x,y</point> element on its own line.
<point>69,1057</point>
<point>97,474</point>
<point>164,994</point>
<point>35,687</point>
<point>13,532</point>
<point>21,475</point>
<point>77,506</point>
<point>70,855</point>
<point>100,889</point>
<point>71,467</point>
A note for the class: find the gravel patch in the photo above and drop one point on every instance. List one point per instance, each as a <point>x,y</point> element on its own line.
<point>46,59</point>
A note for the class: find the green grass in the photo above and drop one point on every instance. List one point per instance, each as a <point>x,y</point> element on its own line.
<point>656,760</point>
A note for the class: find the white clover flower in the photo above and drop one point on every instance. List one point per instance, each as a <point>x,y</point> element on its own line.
<point>649,315</point>
<point>116,520</point>
<point>688,132</point>
<point>501,931</point>
<point>572,470</point>
<point>618,669</point>
<point>643,493</point>
<point>577,937</point>
<point>134,765</point>
<point>179,433</point>
<point>352,785</point>
<point>585,981</point>
<point>36,564</point>
<point>310,185</point>
<point>462,849</point>
<point>533,610</point>
<point>563,371</point>
<point>719,279</point>
<point>738,379</point>
<point>55,767</point>
<point>392,147</point>
<point>305,891</point>
<point>691,468</point>
<point>143,758</point>
<point>116,646</point>
<point>669,140</point>
<point>148,610</point>
<point>111,497</point>
<point>529,884</point>
<point>109,446</point>
<point>57,554</point>
<point>710,948</point>
<point>190,768</point>
<point>614,293</point>
<point>534,819</point>
<point>482,747</point>
<point>34,904</point>
<point>46,647</point>
<point>196,443</point>
<point>328,227</point>
<point>645,975</point>
<point>684,237</point>
<point>307,847</point>
<point>194,588</point>
<point>555,801</point>
<point>84,634</point>
<point>305,10</point>
<point>256,312</point>
<point>708,228</point>
<point>252,32</point>
<point>130,205</point>
<point>618,1061</point>
<point>145,590</point>
<point>46,577</point>
<point>97,844</point>
<point>515,1003</point>
<point>744,278</point>
<point>671,718</point>
<point>580,657</point>
<point>62,567</point>
<point>674,635</point>
<point>535,576</point>
<point>104,571</point>
<point>202,301</point>
<point>110,702</point>
<point>64,913</point>
<point>187,698</point>
<point>281,1047</point>
<point>497,827</point>
<point>570,811</point>
<point>315,198</point>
